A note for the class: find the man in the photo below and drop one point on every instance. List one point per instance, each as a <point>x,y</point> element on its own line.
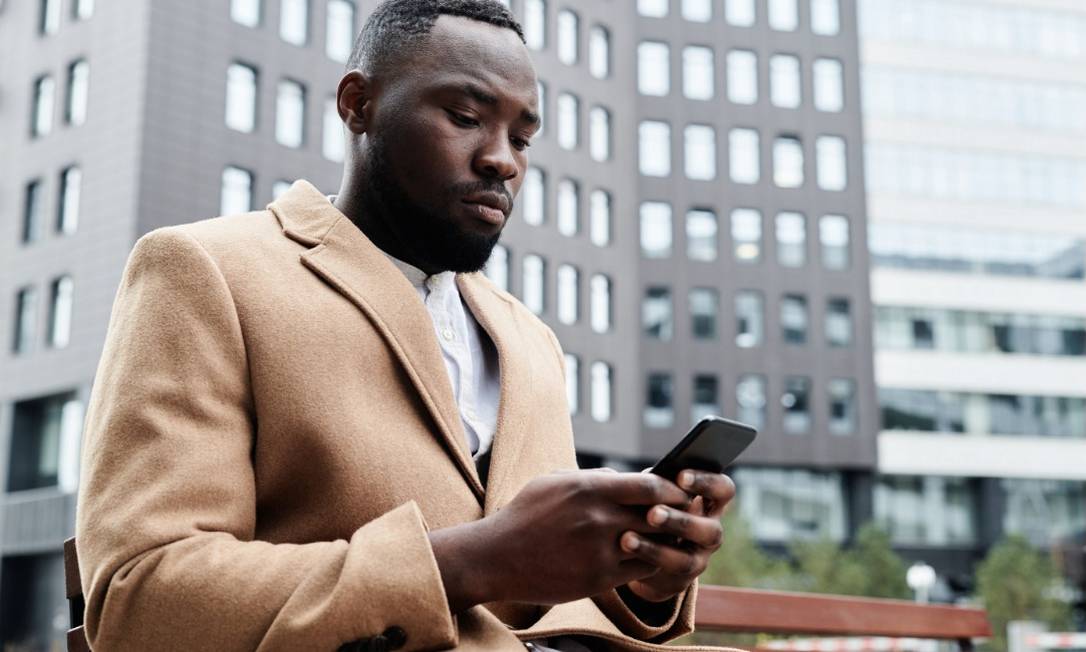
<point>319,426</point>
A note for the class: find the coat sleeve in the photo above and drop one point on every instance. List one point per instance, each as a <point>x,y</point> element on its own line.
<point>167,504</point>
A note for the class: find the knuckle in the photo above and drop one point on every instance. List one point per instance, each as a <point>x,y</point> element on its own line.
<point>688,565</point>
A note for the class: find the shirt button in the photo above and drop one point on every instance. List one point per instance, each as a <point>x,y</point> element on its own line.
<point>447,334</point>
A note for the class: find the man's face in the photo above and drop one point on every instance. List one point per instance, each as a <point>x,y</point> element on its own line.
<point>446,149</point>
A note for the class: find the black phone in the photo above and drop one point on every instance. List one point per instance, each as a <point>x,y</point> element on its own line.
<point>711,445</point>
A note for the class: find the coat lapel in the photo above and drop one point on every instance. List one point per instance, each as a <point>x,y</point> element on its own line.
<point>351,264</point>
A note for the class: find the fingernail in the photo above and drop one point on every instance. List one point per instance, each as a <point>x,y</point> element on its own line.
<point>657,516</point>
<point>686,480</point>
<point>632,543</point>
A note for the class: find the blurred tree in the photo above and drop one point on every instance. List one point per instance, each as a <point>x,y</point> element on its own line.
<point>740,562</point>
<point>869,568</point>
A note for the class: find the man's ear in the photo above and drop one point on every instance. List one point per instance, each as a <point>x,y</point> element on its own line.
<point>354,101</point>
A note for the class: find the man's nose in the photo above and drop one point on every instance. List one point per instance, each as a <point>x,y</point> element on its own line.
<point>495,159</point>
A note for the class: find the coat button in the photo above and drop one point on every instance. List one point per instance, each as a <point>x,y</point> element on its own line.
<point>396,637</point>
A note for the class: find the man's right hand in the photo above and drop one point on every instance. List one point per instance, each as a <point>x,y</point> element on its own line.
<point>556,541</point>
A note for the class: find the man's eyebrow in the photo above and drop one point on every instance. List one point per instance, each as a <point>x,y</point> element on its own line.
<point>484,96</point>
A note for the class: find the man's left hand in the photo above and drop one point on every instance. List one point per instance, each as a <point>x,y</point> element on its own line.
<point>697,528</point>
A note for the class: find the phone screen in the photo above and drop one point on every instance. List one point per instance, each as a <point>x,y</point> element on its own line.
<point>711,445</point>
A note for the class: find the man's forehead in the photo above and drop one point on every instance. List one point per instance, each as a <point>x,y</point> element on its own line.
<point>492,56</point>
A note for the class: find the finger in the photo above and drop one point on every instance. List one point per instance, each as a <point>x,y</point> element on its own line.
<point>716,488</point>
<point>639,489</point>
<point>683,564</point>
<point>702,531</point>
<point>635,569</point>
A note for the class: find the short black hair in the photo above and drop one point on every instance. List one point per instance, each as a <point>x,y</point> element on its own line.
<point>391,28</point>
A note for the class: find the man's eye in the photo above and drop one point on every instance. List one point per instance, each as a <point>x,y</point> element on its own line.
<point>463,119</point>
<point>521,144</point>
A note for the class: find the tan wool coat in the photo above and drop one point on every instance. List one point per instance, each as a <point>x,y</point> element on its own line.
<point>272,432</point>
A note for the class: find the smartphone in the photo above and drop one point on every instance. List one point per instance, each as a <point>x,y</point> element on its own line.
<point>711,445</point>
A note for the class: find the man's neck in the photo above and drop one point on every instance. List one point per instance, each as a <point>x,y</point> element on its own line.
<point>351,205</point>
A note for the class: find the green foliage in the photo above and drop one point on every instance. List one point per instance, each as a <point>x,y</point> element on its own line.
<point>869,568</point>
<point>741,563</point>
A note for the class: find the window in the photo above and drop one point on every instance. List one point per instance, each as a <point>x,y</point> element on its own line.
<point>655,229</point>
<point>567,294</point>
<point>32,212</point>
<point>71,179</point>
<point>783,15</point>
<point>656,315</point>
<point>290,114</point>
<point>573,372</point>
<point>787,162</point>
<point>795,401</point>
<point>750,399</point>
<point>699,149</point>
<point>652,8</point>
<point>83,9</point>
<point>703,311</point>
<point>743,159</point>
<point>75,111</point>
<point>601,391</point>
<point>698,73</point>
<point>786,505</point>
<point>600,218</point>
<point>834,236</point>
<point>825,17</point>
<point>567,37</point>
<point>1044,511</point>
<point>48,17</point>
<point>534,193</point>
<point>749,319</point>
<point>926,511</point>
<point>832,171</point>
<point>742,77</point>
<point>279,187</point>
<point>332,140</point>
<point>245,12</point>
<point>794,319</point>
<point>838,322</point>
<point>599,52</point>
<point>698,11</point>
<point>653,68</point>
<point>791,239</point>
<point>535,24</point>
<point>45,432</point>
<point>654,148</point>
<point>706,397</point>
<point>41,122</point>
<point>842,406</point>
<point>568,202</point>
<point>739,12</point>
<point>241,97</point>
<point>659,412</point>
<point>747,235</point>
<point>294,21</point>
<point>497,267</point>
<point>601,303</point>
<point>784,83</point>
<point>983,414</point>
<point>60,312</point>
<point>828,85</point>
<point>701,235</point>
<point>532,283</point>
<point>237,191</point>
<point>339,30</point>
<point>567,121</point>
<point>599,133</point>
<point>26,313</point>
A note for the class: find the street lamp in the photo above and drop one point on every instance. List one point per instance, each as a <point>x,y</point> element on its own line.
<point>920,578</point>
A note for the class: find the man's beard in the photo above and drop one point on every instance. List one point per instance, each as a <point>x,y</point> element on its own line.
<point>431,237</point>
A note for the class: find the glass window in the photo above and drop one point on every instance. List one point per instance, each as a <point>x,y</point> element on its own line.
<point>290,113</point>
<point>749,319</point>
<point>832,170</point>
<point>652,8</point>
<point>497,267</point>
<point>653,68</point>
<point>783,15</point>
<point>706,397</point>
<point>751,401</point>
<point>245,12</point>
<point>75,112</point>
<point>834,236</point>
<point>743,159</point>
<point>699,149</point>
<point>60,312</point>
<point>45,431</point>
<point>703,312</point>
<point>791,239</point>
<point>535,24</point>
<point>1044,511</point>
<point>747,235</point>
<point>48,17</point>
<point>699,11</point>
<point>32,212</point>
<point>532,284</point>
<point>567,37</point>
<point>568,207</point>
<point>794,322</point>
<point>828,85</point>
<point>534,192</point>
<point>825,17</point>
<point>787,162</point>
<point>742,77</point>
<point>241,97</point>
<point>654,148</point>
<point>656,315</point>
<point>838,322</point>
<point>294,21</point>
<point>71,181</point>
<point>599,52</point>
<point>842,406</point>
<point>567,121</point>
<point>786,505</point>
<point>701,232</point>
<point>784,81</point>
<point>599,133</point>
<point>237,191</point>
<point>698,72</point>
<point>339,30</point>
<point>600,227</point>
<point>926,511</point>
<point>655,229</point>
<point>567,294</point>
<point>26,312</point>
<point>659,410</point>
<point>601,303</point>
<point>279,187</point>
<point>573,390</point>
<point>41,122</point>
<point>332,141</point>
<point>796,403</point>
<point>601,391</point>
<point>739,12</point>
